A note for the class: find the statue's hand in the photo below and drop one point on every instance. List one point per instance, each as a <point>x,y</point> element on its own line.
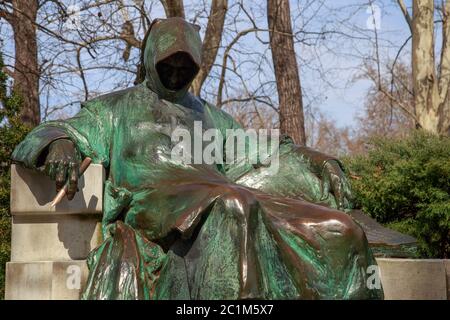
<point>335,181</point>
<point>62,165</point>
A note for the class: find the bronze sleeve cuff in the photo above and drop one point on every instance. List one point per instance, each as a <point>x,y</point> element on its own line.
<point>32,151</point>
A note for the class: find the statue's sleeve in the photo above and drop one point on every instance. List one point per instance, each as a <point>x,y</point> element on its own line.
<point>90,130</point>
<point>313,158</point>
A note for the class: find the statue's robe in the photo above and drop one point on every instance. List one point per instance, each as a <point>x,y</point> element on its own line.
<point>177,231</point>
<point>223,231</point>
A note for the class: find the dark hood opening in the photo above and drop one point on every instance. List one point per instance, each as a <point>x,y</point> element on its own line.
<point>177,70</point>
<point>172,57</point>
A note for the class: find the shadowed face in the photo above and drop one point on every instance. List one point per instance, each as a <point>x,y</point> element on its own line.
<point>172,57</point>
<point>176,71</point>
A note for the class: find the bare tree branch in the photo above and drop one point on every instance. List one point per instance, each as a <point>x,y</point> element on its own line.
<point>8,16</point>
<point>225,61</point>
<point>173,8</point>
<point>211,43</point>
<point>404,108</point>
<point>8,71</point>
<point>406,14</point>
<point>81,72</point>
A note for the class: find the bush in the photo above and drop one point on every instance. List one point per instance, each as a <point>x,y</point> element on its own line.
<point>12,131</point>
<point>405,184</point>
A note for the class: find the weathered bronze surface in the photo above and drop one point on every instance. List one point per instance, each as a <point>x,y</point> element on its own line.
<point>385,242</point>
<point>221,231</point>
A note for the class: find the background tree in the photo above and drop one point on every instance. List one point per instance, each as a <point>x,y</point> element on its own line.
<point>12,131</point>
<point>211,42</point>
<point>430,77</point>
<point>173,8</point>
<point>431,88</point>
<point>383,113</point>
<point>86,48</point>
<point>22,15</point>
<point>286,70</point>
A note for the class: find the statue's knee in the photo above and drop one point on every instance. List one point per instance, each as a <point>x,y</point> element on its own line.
<point>342,227</point>
<point>239,200</point>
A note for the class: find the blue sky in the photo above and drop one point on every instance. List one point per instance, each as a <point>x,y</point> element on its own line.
<point>345,101</point>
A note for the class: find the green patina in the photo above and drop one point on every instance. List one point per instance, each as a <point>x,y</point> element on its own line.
<point>166,41</point>
<point>181,231</point>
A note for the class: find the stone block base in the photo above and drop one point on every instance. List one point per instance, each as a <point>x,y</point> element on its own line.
<point>407,279</point>
<point>45,280</point>
<point>402,279</point>
<point>54,237</point>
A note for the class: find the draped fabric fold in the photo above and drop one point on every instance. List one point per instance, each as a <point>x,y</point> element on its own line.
<point>227,241</point>
<point>210,231</point>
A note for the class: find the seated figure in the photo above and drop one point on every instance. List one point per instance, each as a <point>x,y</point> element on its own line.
<point>175,230</point>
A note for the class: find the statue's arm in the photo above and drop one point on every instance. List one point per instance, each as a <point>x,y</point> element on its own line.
<point>32,151</point>
<point>90,131</point>
<point>57,147</point>
<point>331,172</point>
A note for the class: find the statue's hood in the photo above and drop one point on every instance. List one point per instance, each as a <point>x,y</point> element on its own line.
<point>177,40</point>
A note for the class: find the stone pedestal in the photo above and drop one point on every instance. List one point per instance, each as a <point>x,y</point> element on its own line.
<point>45,280</point>
<point>49,245</point>
<point>421,279</point>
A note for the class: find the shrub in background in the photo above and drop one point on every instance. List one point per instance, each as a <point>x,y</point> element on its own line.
<point>12,131</point>
<point>405,184</point>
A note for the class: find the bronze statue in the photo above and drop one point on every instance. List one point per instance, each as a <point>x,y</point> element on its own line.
<point>201,231</point>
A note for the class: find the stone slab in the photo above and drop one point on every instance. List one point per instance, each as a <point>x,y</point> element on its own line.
<point>32,192</point>
<point>385,242</point>
<point>49,280</point>
<point>447,270</point>
<point>54,237</point>
<point>407,279</point>
<point>45,280</point>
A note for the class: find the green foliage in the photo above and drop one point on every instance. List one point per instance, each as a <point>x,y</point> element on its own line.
<point>12,131</point>
<point>405,184</point>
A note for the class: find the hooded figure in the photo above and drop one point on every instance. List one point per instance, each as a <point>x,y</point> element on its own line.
<point>172,57</point>
<point>173,230</point>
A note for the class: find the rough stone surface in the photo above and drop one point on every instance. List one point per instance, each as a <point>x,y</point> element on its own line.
<point>404,279</point>
<point>49,245</point>
<point>45,280</point>
<point>32,193</point>
<point>447,269</point>
<point>54,237</point>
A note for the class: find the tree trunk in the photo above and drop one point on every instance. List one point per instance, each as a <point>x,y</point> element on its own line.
<point>286,71</point>
<point>211,43</point>
<point>26,68</point>
<point>426,95</point>
<point>173,8</point>
<point>444,76</point>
